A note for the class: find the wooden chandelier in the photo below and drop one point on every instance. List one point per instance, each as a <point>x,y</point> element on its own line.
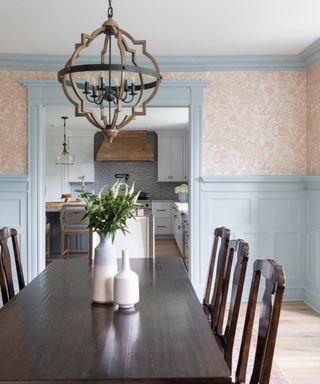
<point>100,91</point>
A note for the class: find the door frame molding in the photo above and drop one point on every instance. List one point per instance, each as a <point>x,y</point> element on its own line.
<point>172,93</point>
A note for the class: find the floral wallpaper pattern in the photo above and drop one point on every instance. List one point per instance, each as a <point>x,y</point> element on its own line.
<point>313,119</point>
<point>254,122</point>
<point>14,120</point>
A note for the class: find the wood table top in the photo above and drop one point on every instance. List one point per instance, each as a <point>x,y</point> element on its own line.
<point>52,332</point>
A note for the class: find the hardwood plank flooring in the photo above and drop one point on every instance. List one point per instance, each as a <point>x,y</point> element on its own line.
<point>167,247</point>
<point>297,350</point>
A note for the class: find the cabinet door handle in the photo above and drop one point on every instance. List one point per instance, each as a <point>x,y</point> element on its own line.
<point>161,210</point>
<point>161,226</point>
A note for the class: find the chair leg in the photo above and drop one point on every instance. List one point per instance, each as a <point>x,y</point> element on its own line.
<point>62,245</point>
<point>68,246</point>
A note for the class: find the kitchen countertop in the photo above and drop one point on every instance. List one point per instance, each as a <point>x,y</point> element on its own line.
<point>55,206</point>
<point>182,207</point>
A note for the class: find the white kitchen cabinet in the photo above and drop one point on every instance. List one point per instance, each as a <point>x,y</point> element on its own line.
<point>170,158</point>
<point>56,186</point>
<point>83,150</point>
<point>178,230</point>
<point>162,213</point>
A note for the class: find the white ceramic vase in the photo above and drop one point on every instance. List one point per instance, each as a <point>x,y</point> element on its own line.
<point>104,270</point>
<point>126,284</point>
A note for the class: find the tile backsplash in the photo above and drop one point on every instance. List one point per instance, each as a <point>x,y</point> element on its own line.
<point>144,174</point>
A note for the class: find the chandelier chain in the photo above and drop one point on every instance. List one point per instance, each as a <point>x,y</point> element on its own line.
<point>110,10</point>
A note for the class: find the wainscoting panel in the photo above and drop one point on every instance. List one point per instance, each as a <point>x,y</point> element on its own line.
<point>14,213</point>
<point>270,217</point>
<point>312,275</point>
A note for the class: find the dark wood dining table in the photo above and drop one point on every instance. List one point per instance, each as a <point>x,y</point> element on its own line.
<point>51,332</point>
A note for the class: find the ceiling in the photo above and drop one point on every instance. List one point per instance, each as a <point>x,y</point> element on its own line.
<point>171,27</point>
<point>156,118</point>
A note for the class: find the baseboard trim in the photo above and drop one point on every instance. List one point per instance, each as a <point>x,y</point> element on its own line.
<point>312,300</point>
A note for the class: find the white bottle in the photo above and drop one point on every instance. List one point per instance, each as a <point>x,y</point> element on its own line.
<point>126,284</point>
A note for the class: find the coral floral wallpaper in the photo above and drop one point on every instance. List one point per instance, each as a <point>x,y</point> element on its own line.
<point>313,119</point>
<point>255,123</point>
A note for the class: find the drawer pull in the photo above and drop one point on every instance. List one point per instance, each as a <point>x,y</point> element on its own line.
<point>161,226</point>
<point>161,210</point>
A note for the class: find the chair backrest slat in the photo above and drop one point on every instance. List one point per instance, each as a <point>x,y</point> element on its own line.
<point>241,249</point>
<point>6,279</point>
<point>223,234</point>
<point>268,322</point>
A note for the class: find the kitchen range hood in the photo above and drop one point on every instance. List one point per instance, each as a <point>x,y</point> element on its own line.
<point>127,146</point>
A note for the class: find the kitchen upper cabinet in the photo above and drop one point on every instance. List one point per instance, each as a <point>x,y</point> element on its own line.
<point>82,148</point>
<point>171,158</point>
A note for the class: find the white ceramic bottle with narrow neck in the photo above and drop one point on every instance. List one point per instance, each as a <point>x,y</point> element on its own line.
<point>104,270</point>
<point>126,284</point>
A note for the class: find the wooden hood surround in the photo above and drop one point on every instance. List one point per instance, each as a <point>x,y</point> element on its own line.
<point>127,146</point>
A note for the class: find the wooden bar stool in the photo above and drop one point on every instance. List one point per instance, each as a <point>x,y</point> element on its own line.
<point>72,223</point>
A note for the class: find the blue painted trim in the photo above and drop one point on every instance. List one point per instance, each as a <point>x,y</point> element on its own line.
<point>312,182</point>
<point>31,62</point>
<point>252,179</point>
<point>311,55</point>
<point>12,177</point>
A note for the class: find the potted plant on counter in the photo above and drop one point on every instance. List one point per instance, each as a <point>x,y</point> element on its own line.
<point>108,212</point>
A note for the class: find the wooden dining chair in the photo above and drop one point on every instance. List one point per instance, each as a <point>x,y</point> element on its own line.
<point>225,335</point>
<point>268,323</point>
<point>211,303</point>
<point>6,280</point>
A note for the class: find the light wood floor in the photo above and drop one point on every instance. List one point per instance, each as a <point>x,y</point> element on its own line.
<point>166,247</point>
<point>298,345</point>
<point>297,350</point>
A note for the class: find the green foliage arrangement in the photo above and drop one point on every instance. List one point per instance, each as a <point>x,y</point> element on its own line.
<point>109,210</point>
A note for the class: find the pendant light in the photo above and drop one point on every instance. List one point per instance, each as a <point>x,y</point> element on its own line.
<point>65,158</point>
<point>100,91</point>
